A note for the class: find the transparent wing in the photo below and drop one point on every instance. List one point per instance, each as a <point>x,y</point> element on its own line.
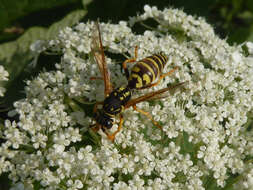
<point>98,52</point>
<point>153,95</point>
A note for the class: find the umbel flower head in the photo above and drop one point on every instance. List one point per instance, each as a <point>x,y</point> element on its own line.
<point>3,77</point>
<point>206,138</point>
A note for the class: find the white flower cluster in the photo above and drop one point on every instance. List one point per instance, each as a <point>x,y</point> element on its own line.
<point>3,77</point>
<point>205,136</point>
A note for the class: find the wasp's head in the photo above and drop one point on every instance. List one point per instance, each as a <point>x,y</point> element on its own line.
<point>103,119</point>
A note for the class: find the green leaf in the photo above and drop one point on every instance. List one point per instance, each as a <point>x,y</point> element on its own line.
<point>239,35</point>
<point>86,2</point>
<point>246,15</point>
<point>250,37</point>
<point>249,5</point>
<point>12,10</point>
<point>69,20</point>
<point>16,55</point>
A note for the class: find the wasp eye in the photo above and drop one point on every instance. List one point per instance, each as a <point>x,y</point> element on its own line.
<point>109,124</point>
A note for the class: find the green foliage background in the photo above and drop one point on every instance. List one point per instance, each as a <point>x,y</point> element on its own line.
<point>22,22</point>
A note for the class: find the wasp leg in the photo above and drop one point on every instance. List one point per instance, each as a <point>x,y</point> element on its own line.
<point>112,136</point>
<point>148,115</point>
<point>160,78</point>
<point>132,60</point>
<point>96,128</point>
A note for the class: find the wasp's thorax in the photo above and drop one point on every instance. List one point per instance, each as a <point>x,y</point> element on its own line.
<point>113,104</point>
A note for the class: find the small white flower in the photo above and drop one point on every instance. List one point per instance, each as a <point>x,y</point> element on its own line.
<point>3,77</point>
<point>38,46</point>
<point>249,45</point>
<point>18,186</point>
<point>204,122</point>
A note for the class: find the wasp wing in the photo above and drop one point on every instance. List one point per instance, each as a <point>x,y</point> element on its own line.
<point>98,52</point>
<point>152,95</point>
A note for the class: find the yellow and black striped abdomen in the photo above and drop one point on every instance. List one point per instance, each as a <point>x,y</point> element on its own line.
<point>147,70</point>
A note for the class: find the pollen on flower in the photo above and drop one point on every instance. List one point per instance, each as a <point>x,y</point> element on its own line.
<point>205,130</point>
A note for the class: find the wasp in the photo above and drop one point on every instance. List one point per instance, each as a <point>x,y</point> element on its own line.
<point>143,75</point>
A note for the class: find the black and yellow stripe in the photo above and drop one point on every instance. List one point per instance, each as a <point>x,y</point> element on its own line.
<point>114,103</point>
<point>147,70</point>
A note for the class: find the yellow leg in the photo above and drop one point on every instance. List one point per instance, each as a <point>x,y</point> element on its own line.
<point>160,78</point>
<point>170,72</point>
<point>132,60</point>
<point>148,115</point>
<point>136,52</point>
<point>112,136</point>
